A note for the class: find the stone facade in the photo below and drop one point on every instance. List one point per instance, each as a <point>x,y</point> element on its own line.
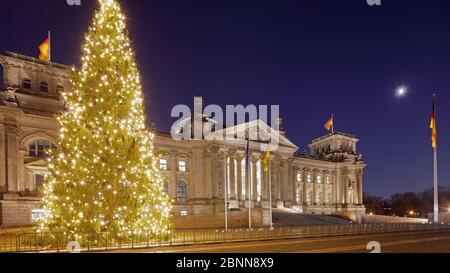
<point>329,180</point>
<point>28,103</point>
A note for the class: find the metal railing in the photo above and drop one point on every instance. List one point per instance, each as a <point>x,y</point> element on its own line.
<point>58,242</point>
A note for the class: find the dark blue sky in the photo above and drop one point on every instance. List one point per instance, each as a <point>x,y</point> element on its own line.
<point>312,57</point>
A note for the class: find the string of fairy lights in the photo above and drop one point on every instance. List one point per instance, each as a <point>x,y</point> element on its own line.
<point>105,176</point>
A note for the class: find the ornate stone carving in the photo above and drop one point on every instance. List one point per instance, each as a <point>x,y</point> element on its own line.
<point>9,96</point>
<point>12,130</point>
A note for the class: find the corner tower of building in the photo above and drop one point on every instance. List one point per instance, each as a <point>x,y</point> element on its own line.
<point>29,100</point>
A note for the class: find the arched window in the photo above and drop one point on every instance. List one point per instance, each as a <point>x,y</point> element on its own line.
<point>26,84</point>
<point>181,192</point>
<point>39,148</point>
<point>43,87</point>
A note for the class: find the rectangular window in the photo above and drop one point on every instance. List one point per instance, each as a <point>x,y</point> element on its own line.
<point>26,84</point>
<point>328,179</point>
<point>329,197</point>
<point>182,166</point>
<point>310,178</point>
<point>39,180</point>
<point>33,150</point>
<point>40,148</point>
<point>299,177</point>
<point>44,87</point>
<point>319,179</point>
<point>163,164</point>
<point>36,215</point>
<point>299,196</point>
<point>181,192</point>
<point>309,197</point>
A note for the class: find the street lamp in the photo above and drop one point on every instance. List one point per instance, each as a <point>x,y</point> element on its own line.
<point>411,213</point>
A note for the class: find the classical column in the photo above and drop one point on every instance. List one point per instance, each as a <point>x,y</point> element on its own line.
<point>173,174</point>
<point>264,181</point>
<point>225,175</point>
<point>339,186</point>
<point>220,177</point>
<point>197,178</point>
<point>334,188</point>
<point>207,175</point>
<point>277,179</point>
<point>360,188</point>
<point>295,185</point>
<point>314,197</point>
<point>290,184</point>
<point>305,186</point>
<point>345,188</point>
<point>12,136</point>
<point>247,181</point>
<point>254,181</point>
<point>239,178</point>
<point>2,159</point>
<point>324,188</point>
<point>215,173</point>
<point>232,177</point>
<point>284,180</point>
<point>21,172</point>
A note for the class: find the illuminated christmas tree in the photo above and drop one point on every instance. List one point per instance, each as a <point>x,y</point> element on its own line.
<point>105,175</point>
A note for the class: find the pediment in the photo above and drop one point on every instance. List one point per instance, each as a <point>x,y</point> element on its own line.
<point>36,164</point>
<point>263,130</point>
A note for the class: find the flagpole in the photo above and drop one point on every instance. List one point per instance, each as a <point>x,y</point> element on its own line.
<point>436,189</point>
<point>270,194</point>
<point>332,125</point>
<point>49,46</point>
<point>247,166</point>
<point>226,193</point>
<point>436,182</point>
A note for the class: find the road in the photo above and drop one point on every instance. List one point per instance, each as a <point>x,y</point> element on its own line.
<point>412,242</point>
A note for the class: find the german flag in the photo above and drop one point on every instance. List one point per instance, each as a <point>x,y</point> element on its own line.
<point>44,49</point>
<point>433,127</point>
<point>329,125</point>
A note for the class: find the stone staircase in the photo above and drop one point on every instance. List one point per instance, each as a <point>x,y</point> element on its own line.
<point>288,217</point>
